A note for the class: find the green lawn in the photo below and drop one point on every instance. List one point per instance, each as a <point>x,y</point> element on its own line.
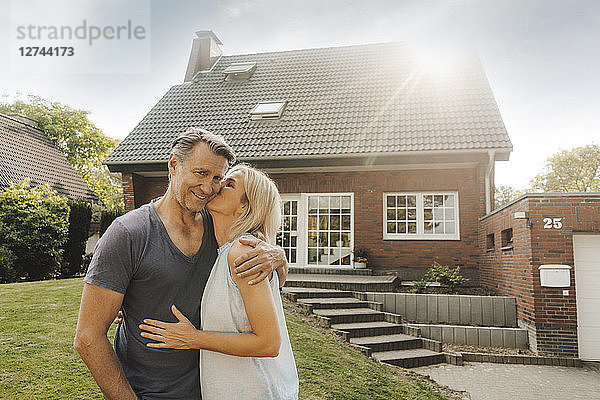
<point>37,360</point>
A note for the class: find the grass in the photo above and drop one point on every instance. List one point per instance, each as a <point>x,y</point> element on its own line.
<point>37,360</point>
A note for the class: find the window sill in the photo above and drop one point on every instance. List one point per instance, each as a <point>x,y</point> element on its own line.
<point>509,247</point>
<point>421,238</point>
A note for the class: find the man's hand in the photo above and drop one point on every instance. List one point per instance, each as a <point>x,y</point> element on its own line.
<point>262,260</point>
<point>170,335</point>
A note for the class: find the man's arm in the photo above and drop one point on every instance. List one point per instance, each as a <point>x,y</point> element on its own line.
<point>96,312</point>
<point>263,259</point>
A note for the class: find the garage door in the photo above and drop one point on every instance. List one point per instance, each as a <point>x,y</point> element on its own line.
<point>586,250</point>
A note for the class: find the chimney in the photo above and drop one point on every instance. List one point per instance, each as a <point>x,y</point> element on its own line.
<point>205,53</point>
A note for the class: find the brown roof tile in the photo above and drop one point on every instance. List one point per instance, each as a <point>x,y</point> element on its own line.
<point>340,100</point>
<point>26,151</point>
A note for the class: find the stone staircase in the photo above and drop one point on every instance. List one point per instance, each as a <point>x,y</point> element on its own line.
<point>331,295</point>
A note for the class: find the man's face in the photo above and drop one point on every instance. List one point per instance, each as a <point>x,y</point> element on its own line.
<point>197,179</point>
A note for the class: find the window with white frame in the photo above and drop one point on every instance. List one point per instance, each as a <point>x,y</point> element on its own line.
<point>317,229</point>
<point>421,216</point>
<point>287,237</point>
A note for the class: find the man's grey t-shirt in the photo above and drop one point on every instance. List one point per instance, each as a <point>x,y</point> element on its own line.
<point>137,258</point>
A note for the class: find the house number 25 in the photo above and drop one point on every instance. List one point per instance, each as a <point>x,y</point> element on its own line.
<point>550,223</point>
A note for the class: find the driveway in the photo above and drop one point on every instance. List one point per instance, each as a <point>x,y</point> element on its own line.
<point>485,381</point>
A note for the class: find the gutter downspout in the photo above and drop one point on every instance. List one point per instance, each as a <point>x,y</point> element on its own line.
<point>488,171</point>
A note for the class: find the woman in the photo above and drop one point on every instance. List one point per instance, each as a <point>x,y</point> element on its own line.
<point>246,351</point>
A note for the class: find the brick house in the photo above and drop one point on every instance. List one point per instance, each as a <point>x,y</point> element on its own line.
<point>369,148</point>
<point>26,151</point>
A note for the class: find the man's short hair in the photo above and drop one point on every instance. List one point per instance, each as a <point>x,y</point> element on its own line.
<point>183,145</point>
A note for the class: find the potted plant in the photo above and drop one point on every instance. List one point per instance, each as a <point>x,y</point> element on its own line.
<point>361,257</point>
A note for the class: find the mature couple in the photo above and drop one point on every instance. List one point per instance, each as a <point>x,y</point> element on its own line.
<point>194,270</point>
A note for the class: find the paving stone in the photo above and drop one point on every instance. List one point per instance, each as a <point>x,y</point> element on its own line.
<point>453,309</point>
<point>465,310</point>
<point>487,311</point>
<point>485,381</point>
<point>472,335</point>
<point>484,337</point>
<point>421,307</point>
<point>432,309</point>
<point>476,317</point>
<point>443,309</point>
<point>460,335</point>
<point>498,306</point>
<point>447,334</point>
<point>411,308</point>
<point>496,338</point>
<point>389,303</point>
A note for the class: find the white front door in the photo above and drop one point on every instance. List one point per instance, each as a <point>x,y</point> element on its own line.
<point>586,252</point>
<point>317,229</point>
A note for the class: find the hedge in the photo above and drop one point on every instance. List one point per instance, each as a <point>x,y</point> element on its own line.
<point>33,229</point>
<point>80,217</point>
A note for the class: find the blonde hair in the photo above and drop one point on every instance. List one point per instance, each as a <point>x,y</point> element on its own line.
<point>262,216</point>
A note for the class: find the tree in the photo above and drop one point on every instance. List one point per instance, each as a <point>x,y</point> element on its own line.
<point>576,170</point>
<point>83,144</point>
<point>505,194</point>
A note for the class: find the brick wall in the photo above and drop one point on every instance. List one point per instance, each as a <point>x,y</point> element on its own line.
<point>139,190</point>
<point>408,256</point>
<point>549,315</point>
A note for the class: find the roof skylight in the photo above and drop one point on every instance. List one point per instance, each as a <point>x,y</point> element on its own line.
<point>267,110</point>
<point>239,71</point>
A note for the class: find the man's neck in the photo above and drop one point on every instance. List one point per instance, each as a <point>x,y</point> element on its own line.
<point>172,213</point>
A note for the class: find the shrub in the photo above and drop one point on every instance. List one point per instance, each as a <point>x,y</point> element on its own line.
<point>80,216</point>
<point>446,276</point>
<point>106,218</point>
<point>33,227</point>
<point>419,286</point>
<point>7,265</point>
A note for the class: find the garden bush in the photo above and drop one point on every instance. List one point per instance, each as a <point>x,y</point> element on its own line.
<point>446,276</point>
<point>80,216</point>
<point>7,265</point>
<point>33,228</point>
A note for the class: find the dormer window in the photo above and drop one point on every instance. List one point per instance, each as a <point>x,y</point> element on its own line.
<point>267,110</point>
<point>239,71</point>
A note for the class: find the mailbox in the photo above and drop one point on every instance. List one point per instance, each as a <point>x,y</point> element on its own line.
<point>555,275</point>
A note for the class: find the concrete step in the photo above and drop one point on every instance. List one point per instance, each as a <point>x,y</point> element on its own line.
<point>381,343</point>
<point>329,271</point>
<point>296,293</point>
<point>362,329</point>
<point>350,315</point>
<point>360,283</point>
<point>335,302</point>
<point>410,358</point>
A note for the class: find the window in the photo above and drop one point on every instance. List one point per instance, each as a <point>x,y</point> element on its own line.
<point>239,71</point>
<point>329,229</point>
<point>489,242</point>
<point>507,238</point>
<point>267,110</point>
<point>287,237</point>
<point>239,68</point>
<point>421,216</point>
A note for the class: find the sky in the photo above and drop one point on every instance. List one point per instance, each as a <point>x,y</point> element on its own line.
<point>541,57</point>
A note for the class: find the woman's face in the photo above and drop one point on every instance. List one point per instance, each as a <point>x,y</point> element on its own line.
<point>231,200</point>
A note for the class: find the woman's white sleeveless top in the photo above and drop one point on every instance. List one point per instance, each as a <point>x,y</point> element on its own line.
<point>230,377</point>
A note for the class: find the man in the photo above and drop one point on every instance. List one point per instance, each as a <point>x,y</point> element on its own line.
<point>151,258</point>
